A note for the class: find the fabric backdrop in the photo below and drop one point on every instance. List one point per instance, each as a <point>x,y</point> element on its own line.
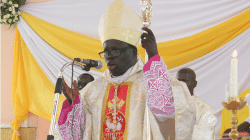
<point>196,34</point>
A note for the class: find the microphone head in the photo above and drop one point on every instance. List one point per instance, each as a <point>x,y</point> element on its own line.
<point>100,65</point>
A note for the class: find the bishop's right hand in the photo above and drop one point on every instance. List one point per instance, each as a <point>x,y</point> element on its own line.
<point>67,91</point>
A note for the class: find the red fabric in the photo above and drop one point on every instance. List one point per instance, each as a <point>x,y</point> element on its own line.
<point>108,126</point>
<point>160,98</point>
<point>66,108</point>
<point>242,135</point>
<point>148,64</point>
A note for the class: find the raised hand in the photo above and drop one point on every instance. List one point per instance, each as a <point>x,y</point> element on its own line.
<point>148,42</point>
<point>67,91</point>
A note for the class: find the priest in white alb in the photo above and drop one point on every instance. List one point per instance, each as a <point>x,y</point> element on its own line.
<point>205,119</point>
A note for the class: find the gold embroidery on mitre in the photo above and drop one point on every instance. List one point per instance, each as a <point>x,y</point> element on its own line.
<point>120,22</point>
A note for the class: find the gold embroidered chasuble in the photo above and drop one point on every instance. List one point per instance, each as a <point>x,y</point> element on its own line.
<point>97,99</point>
<point>109,124</point>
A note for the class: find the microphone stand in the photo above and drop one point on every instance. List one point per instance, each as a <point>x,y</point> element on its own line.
<point>58,91</point>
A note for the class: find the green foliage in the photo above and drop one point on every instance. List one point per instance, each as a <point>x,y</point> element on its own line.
<point>10,11</point>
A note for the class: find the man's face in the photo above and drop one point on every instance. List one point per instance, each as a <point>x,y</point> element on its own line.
<point>118,65</point>
<point>188,78</point>
<point>83,81</point>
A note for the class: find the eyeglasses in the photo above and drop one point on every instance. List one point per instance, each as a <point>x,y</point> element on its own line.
<point>113,53</point>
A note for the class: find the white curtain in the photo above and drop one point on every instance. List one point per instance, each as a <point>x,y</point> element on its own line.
<point>213,72</point>
<point>171,20</point>
<point>49,59</point>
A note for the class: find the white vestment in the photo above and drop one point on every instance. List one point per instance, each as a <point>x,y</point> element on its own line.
<point>93,96</point>
<point>205,121</point>
<point>184,110</point>
<point>247,99</point>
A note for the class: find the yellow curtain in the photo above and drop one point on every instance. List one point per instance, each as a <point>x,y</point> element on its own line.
<point>180,51</point>
<point>33,92</point>
<point>19,100</point>
<point>174,53</point>
<point>31,89</point>
<point>70,44</point>
<point>242,114</point>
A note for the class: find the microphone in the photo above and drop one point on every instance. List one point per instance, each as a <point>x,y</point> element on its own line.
<point>97,64</point>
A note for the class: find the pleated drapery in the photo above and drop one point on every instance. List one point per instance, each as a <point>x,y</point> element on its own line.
<point>196,34</point>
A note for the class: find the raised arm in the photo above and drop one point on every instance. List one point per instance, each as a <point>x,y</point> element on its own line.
<point>159,92</point>
<point>160,98</point>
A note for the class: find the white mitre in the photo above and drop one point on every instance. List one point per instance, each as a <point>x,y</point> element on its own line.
<point>120,22</point>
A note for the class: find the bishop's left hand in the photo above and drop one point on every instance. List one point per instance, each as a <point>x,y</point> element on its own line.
<point>148,42</point>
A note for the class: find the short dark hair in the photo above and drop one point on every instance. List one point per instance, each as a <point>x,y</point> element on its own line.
<point>86,74</point>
